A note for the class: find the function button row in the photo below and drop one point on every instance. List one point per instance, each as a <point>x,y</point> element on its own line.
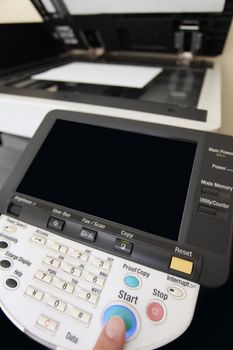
<point>101,264</point>
<point>97,280</point>
<point>34,293</point>
<point>38,239</point>
<point>79,255</point>
<point>43,276</point>
<point>48,260</point>
<point>65,286</point>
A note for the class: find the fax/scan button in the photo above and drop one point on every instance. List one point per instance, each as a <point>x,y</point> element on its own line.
<point>181,265</point>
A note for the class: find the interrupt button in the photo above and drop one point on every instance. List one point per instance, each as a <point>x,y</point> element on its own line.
<point>181,265</point>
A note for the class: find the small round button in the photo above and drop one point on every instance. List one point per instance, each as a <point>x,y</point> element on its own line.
<point>3,245</point>
<point>10,229</point>
<point>5,264</point>
<point>126,314</point>
<point>132,281</point>
<point>11,283</point>
<point>155,311</point>
<point>176,292</point>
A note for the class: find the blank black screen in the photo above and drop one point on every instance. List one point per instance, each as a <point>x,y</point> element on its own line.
<point>130,178</point>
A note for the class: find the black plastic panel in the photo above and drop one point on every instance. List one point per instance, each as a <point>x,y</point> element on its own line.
<point>25,43</point>
<point>142,32</point>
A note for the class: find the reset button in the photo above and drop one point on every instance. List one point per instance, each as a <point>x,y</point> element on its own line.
<point>181,265</point>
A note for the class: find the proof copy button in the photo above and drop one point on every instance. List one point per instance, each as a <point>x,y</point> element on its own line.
<point>132,281</point>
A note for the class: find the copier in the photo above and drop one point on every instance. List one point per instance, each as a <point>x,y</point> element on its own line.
<point>74,33</point>
<point>148,61</point>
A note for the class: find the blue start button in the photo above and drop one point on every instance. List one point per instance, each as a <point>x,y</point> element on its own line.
<point>125,314</point>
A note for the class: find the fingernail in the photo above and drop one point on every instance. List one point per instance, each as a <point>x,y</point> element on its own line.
<point>115,327</point>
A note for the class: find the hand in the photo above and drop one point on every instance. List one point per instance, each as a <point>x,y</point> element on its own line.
<point>112,336</point>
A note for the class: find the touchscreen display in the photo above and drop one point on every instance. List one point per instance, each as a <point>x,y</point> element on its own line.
<point>129,178</point>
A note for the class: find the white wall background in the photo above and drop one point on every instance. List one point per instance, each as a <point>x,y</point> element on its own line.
<point>14,11</point>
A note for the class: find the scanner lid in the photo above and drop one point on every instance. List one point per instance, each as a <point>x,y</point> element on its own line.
<point>163,26</point>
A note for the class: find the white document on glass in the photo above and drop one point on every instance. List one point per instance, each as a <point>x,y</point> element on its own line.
<point>101,74</point>
<point>85,7</point>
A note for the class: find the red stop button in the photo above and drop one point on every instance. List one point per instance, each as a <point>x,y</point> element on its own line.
<point>155,311</point>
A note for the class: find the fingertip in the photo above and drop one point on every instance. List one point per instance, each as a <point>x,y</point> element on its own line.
<point>115,328</point>
<point>112,335</point>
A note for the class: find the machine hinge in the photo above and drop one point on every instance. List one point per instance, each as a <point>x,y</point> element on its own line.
<point>188,41</point>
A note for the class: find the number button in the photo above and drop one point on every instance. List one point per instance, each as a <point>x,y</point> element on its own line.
<point>97,280</point>
<point>56,303</point>
<point>72,270</point>
<point>34,293</point>
<point>80,315</point>
<point>79,255</point>
<point>43,276</point>
<point>88,296</point>
<point>65,286</point>
<point>60,248</point>
<point>101,264</point>
<point>48,260</point>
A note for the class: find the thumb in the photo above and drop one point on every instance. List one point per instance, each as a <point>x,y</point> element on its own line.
<point>112,336</point>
